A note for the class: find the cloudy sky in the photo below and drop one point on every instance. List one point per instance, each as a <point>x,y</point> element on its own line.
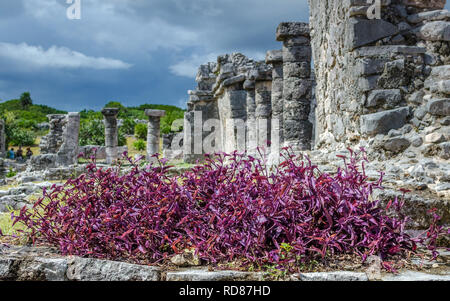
<point>132,51</point>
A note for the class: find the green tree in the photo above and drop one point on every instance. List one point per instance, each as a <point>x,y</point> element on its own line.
<point>128,126</point>
<point>92,132</point>
<point>140,131</point>
<point>25,100</point>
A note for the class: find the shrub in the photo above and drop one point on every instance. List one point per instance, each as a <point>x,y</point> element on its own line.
<point>128,126</point>
<point>92,132</point>
<point>140,131</point>
<point>22,137</point>
<point>140,145</point>
<point>225,211</point>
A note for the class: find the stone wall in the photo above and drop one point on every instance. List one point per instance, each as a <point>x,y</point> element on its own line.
<point>51,142</point>
<point>200,108</point>
<point>382,83</point>
<point>249,103</point>
<point>60,146</point>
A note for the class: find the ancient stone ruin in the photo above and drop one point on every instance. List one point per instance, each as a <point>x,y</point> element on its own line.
<point>111,133</point>
<point>381,76</point>
<point>51,143</point>
<point>153,134</point>
<point>379,83</point>
<point>60,146</point>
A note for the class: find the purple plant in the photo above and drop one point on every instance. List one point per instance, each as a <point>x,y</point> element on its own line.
<point>230,208</point>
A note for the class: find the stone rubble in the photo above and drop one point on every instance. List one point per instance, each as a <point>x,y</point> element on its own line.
<point>43,264</point>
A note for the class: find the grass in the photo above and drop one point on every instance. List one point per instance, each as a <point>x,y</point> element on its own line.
<point>131,150</point>
<point>6,224</point>
<point>35,148</point>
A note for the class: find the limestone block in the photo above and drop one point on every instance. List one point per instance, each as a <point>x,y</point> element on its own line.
<point>334,276</point>
<point>88,269</point>
<point>370,66</point>
<point>442,86</point>
<point>415,276</point>
<point>437,4</point>
<point>435,138</point>
<point>390,98</point>
<point>361,32</point>
<point>289,30</point>
<point>439,107</point>
<point>204,275</point>
<point>396,144</point>
<point>43,269</point>
<point>435,31</point>
<point>297,54</point>
<point>440,72</point>
<point>297,69</point>
<point>435,15</point>
<point>274,57</point>
<point>383,122</point>
<point>387,50</point>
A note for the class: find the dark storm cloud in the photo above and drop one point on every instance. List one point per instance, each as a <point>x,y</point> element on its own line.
<point>134,51</point>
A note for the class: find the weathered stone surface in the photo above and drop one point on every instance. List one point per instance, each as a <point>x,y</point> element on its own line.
<point>154,132</point>
<point>7,270</point>
<point>289,30</point>
<point>43,269</point>
<point>390,98</point>
<point>111,133</point>
<point>435,31</point>
<point>274,57</point>
<point>435,138</point>
<point>434,15</point>
<point>383,122</point>
<point>416,207</point>
<point>415,276</point>
<point>439,4</point>
<point>439,107</point>
<point>334,276</point>
<point>51,143</point>
<point>362,32</point>
<point>373,272</point>
<point>205,275</point>
<point>186,259</point>
<point>374,51</point>
<point>370,66</point>
<point>396,145</point>
<point>87,269</point>
<point>68,152</point>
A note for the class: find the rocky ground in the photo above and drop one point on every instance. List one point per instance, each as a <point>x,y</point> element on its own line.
<point>43,264</point>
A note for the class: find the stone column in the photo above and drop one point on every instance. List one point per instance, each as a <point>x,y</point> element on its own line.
<point>2,137</point>
<point>68,152</point>
<point>252,138</point>
<point>275,58</point>
<point>297,131</point>
<point>263,112</point>
<point>111,133</point>
<point>153,134</point>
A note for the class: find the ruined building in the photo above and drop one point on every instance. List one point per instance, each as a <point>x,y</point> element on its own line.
<point>381,80</point>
